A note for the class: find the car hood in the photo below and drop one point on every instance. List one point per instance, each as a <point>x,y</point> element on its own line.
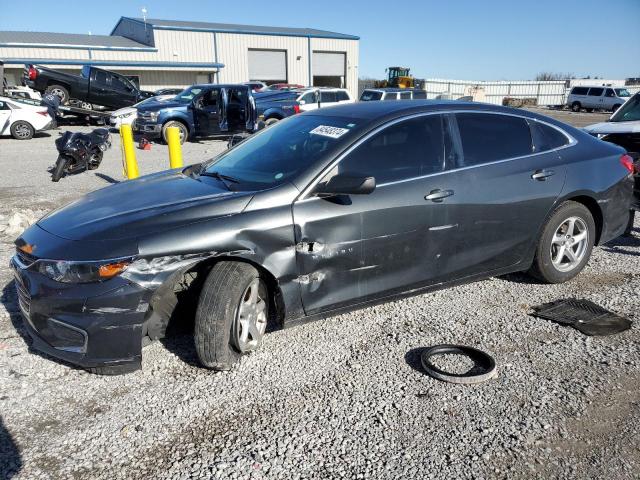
<point>154,105</point>
<point>606,128</point>
<point>135,208</point>
<point>124,111</point>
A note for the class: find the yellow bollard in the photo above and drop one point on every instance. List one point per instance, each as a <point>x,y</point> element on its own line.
<point>129,152</point>
<point>175,148</point>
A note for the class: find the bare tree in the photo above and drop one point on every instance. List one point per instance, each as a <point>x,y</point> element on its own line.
<point>551,76</point>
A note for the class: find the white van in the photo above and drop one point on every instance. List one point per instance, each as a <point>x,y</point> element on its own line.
<point>597,98</point>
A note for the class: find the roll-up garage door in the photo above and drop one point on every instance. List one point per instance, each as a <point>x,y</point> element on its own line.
<point>268,65</point>
<point>328,64</point>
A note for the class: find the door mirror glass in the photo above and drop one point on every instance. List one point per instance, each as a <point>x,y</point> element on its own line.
<point>346,184</point>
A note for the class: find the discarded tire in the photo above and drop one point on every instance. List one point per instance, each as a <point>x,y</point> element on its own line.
<point>484,365</point>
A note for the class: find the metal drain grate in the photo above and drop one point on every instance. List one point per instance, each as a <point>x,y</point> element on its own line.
<point>583,315</point>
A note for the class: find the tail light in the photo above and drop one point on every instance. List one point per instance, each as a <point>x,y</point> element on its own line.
<point>44,113</point>
<point>33,73</point>
<point>627,162</point>
<point>296,108</point>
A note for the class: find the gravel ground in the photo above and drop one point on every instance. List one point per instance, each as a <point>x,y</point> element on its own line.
<point>342,397</point>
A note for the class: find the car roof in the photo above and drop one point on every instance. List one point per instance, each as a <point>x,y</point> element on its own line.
<point>394,90</point>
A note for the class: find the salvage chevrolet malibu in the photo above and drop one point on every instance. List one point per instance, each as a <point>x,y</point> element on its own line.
<point>326,211</point>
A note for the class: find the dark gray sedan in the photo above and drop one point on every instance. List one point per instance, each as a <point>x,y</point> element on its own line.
<point>326,211</point>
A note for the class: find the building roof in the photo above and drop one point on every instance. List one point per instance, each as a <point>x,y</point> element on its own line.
<point>251,29</point>
<point>68,40</point>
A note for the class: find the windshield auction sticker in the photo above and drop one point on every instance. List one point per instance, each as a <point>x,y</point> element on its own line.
<point>326,131</point>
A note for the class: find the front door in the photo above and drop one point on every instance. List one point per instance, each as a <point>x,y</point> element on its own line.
<point>5,116</point>
<point>206,113</point>
<point>309,101</point>
<point>360,247</point>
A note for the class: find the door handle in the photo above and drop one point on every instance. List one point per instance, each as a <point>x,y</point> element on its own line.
<point>438,195</point>
<point>542,175</point>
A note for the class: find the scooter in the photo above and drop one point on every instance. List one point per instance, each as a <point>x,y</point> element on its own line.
<point>78,152</point>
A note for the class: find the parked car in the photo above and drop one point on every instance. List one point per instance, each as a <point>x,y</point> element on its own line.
<point>322,97</point>
<point>284,86</point>
<point>275,105</point>
<point>167,91</point>
<point>200,111</point>
<point>374,94</point>
<point>597,98</point>
<point>22,92</point>
<point>327,211</point>
<point>623,127</point>
<point>128,115</point>
<point>256,86</point>
<point>92,86</point>
<point>22,120</point>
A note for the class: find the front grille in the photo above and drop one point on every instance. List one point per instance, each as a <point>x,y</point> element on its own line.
<point>24,299</point>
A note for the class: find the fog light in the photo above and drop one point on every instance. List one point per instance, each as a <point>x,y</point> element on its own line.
<point>65,337</point>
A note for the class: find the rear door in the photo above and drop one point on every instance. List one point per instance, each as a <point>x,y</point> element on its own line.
<point>502,188</point>
<point>328,98</point>
<point>207,112</point>
<point>594,98</point>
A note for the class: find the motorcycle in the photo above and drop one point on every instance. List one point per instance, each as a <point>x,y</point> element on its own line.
<point>78,152</point>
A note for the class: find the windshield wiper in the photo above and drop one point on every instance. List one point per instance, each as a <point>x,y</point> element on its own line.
<point>220,176</point>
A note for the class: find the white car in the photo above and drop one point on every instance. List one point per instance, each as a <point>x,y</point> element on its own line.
<point>22,120</point>
<point>597,98</point>
<point>128,115</point>
<point>19,91</point>
<point>623,127</point>
<point>328,97</point>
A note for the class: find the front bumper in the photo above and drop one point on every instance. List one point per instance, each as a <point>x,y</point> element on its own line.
<point>150,130</point>
<point>90,325</point>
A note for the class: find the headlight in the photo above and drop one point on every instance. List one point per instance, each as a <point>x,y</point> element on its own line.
<point>153,116</point>
<point>126,115</point>
<point>81,272</point>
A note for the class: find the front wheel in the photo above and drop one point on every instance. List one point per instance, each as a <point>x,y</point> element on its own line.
<point>232,314</point>
<point>565,245</point>
<point>575,106</point>
<point>184,133</point>
<point>58,170</point>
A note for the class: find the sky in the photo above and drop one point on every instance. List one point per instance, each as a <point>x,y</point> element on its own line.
<point>459,39</point>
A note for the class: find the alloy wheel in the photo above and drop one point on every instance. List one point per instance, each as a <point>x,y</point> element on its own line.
<point>22,131</point>
<point>569,244</point>
<point>250,321</point>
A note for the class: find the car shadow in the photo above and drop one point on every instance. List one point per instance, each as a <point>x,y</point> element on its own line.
<point>178,337</point>
<point>520,277</point>
<point>622,244</point>
<point>9,299</point>
<point>10,458</point>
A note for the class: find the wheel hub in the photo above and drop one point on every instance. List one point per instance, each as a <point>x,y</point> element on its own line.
<point>569,244</point>
<point>251,317</point>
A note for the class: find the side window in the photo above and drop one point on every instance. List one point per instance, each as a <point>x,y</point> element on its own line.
<point>391,96</point>
<point>119,84</point>
<point>579,91</point>
<point>101,77</point>
<point>309,97</point>
<point>210,99</point>
<point>490,137</point>
<point>4,106</point>
<point>405,95</point>
<point>342,96</point>
<point>546,137</point>
<point>595,92</point>
<point>610,93</point>
<point>327,97</point>
<point>402,151</point>
<point>419,95</point>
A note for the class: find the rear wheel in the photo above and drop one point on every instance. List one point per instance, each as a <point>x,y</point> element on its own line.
<point>184,133</point>
<point>271,121</point>
<point>58,170</point>
<point>615,107</point>
<point>22,130</point>
<point>60,91</point>
<point>575,106</point>
<point>232,314</point>
<point>565,245</point>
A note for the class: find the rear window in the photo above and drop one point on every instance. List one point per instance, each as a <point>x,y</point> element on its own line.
<point>370,96</point>
<point>492,137</point>
<point>595,92</point>
<point>547,138</point>
<point>579,91</point>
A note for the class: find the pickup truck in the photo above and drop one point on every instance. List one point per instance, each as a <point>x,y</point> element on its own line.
<point>200,111</point>
<point>276,105</point>
<point>92,86</point>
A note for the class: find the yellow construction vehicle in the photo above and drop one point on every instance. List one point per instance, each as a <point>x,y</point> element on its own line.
<point>399,77</point>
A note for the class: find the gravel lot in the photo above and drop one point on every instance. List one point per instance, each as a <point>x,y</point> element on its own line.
<point>338,398</point>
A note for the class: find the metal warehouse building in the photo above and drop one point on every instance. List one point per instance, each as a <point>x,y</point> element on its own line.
<point>168,53</point>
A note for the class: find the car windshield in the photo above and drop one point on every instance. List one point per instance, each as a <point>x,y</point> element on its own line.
<point>369,95</point>
<point>629,111</point>
<point>188,94</point>
<point>279,153</point>
<point>622,92</point>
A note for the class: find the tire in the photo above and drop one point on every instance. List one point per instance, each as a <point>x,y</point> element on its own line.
<point>614,108</point>
<point>589,110</point>
<point>218,326</point>
<point>271,121</point>
<point>58,170</point>
<point>60,91</point>
<point>184,132</point>
<point>22,130</point>
<point>564,268</point>
<point>575,106</point>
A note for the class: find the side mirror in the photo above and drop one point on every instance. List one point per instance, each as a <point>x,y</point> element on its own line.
<point>346,184</point>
